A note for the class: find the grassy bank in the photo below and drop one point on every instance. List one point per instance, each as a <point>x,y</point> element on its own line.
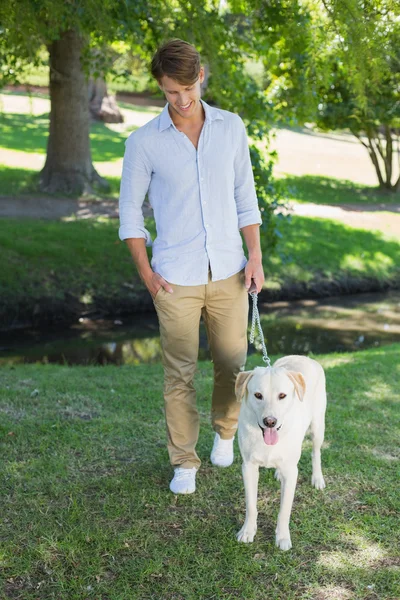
<point>53,270</point>
<point>87,512</point>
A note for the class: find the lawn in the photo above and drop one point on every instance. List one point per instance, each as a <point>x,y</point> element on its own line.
<point>320,189</point>
<point>86,510</point>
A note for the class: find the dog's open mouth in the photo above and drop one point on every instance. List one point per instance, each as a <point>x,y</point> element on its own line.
<point>270,435</point>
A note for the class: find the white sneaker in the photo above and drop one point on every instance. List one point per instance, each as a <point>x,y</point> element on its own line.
<point>184,481</point>
<point>222,452</point>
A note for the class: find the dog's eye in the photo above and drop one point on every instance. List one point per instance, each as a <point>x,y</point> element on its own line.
<point>258,396</point>
<point>282,396</point>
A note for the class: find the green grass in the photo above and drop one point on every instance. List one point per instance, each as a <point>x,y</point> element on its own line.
<point>329,190</point>
<point>19,182</point>
<point>28,133</point>
<point>14,182</point>
<point>86,511</point>
<point>84,259</point>
<point>54,256</point>
<point>312,248</point>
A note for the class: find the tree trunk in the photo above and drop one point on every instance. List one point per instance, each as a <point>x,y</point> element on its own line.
<point>103,106</point>
<point>386,152</point>
<point>68,168</point>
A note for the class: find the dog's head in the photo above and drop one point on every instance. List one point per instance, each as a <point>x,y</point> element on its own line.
<point>270,392</point>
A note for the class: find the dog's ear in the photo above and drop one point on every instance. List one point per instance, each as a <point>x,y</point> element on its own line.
<point>242,380</point>
<point>299,383</point>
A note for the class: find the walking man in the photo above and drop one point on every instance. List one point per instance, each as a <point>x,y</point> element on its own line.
<point>193,162</point>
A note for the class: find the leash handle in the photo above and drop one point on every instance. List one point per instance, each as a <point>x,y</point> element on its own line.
<point>256,321</point>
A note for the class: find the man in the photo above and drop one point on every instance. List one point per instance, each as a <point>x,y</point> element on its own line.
<point>193,161</point>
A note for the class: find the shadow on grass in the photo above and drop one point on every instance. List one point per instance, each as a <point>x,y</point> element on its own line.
<point>28,133</point>
<point>14,182</point>
<point>329,190</point>
<point>20,182</point>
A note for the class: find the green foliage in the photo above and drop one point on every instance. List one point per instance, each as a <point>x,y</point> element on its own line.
<point>335,63</point>
<point>363,91</point>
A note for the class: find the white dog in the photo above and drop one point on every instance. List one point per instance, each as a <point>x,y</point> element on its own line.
<point>280,404</point>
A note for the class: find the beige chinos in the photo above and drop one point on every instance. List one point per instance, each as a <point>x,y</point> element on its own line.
<point>224,307</point>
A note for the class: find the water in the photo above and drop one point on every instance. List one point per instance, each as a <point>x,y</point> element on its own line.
<point>337,324</point>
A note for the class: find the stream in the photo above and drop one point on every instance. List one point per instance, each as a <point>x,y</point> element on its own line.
<point>337,324</point>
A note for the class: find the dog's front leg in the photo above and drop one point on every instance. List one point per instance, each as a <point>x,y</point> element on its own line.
<point>288,486</point>
<point>250,479</point>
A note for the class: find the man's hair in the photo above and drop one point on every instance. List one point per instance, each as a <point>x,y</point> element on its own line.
<point>176,59</point>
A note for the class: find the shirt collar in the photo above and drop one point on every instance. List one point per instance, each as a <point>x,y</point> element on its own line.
<point>212,114</point>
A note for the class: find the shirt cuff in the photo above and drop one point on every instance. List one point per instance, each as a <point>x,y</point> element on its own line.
<point>249,218</point>
<point>132,232</point>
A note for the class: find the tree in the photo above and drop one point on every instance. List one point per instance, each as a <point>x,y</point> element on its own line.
<point>336,63</point>
<point>72,30</point>
<point>69,30</point>
<point>363,94</point>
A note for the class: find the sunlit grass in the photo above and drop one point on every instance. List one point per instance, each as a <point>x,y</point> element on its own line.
<point>320,189</point>
<point>327,249</point>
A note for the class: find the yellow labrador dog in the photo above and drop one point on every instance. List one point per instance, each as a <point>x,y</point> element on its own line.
<point>279,404</point>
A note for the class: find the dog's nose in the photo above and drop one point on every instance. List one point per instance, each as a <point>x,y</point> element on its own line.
<point>269,421</point>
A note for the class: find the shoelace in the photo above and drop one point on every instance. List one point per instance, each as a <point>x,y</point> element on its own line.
<point>223,447</point>
<point>183,473</point>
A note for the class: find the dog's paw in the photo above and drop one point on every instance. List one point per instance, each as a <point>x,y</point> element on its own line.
<point>284,543</point>
<point>318,482</point>
<point>246,534</point>
<point>278,475</point>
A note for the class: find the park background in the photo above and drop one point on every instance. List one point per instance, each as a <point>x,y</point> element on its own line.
<point>86,507</point>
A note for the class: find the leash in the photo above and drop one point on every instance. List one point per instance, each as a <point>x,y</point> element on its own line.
<point>256,321</point>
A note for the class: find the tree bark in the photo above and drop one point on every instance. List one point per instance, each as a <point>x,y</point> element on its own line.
<point>102,105</point>
<point>68,168</point>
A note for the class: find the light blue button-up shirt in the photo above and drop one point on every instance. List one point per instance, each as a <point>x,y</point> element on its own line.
<point>200,198</point>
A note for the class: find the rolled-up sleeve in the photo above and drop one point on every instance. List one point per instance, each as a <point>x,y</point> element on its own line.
<point>245,192</point>
<point>135,181</point>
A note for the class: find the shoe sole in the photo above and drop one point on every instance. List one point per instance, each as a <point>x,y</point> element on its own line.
<point>182,493</point>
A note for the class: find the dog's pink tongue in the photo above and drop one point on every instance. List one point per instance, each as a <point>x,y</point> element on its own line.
<point>270,436</point>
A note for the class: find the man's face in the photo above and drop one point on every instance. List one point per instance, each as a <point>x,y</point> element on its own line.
<point>183,99</point>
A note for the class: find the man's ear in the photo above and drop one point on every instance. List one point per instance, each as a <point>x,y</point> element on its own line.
<point>299,383</point>
<point>241,384</point>
<point>201,74</point>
